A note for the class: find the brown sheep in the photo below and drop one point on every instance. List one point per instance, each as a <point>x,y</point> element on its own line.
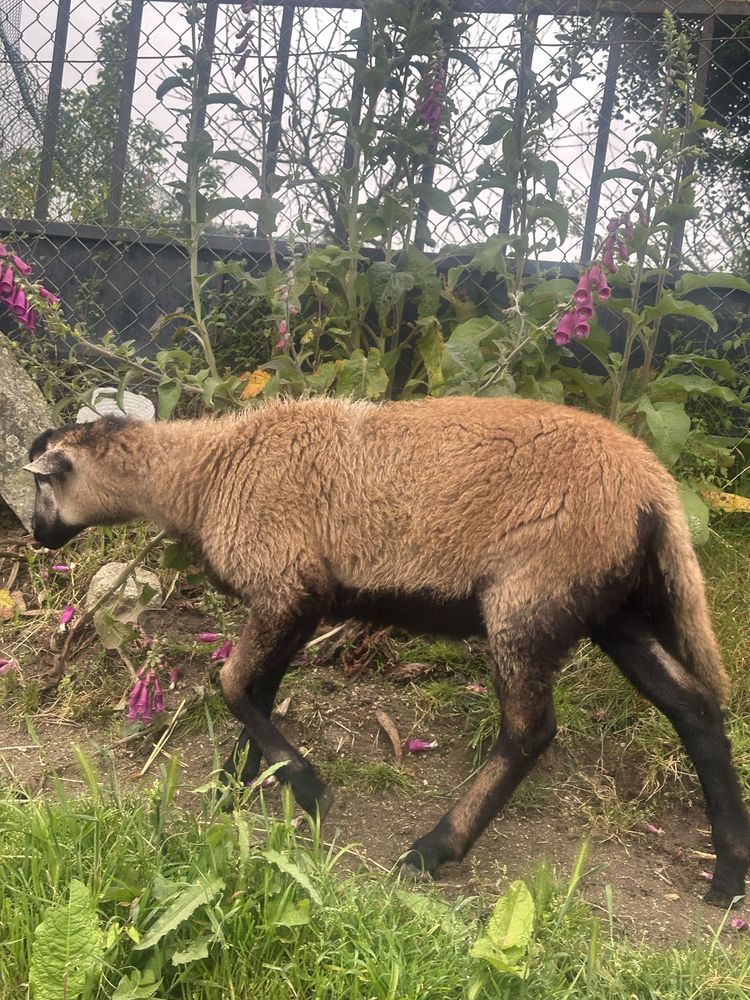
<point>532,524</point>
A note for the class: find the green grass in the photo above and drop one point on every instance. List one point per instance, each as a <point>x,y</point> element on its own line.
<point>369,776</point>
<point>203,903</point>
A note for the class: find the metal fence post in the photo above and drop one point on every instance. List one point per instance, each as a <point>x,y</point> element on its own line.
<point>120,145</point>
<point>52,113</point>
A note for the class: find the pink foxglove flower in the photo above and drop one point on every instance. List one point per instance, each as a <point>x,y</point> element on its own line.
<point>208,636</point>
<point>420,746</point>
<point>223,652</point>
<point>3,250</point>
<point>158,697</point>
<point>8,666</point>
<point>22,266</point>
<point>565,328</point>
<point>66,617</point>
<point>282,342</point>
<point>46,294</point>
<point>581,329</point>
<point>60,568</point>
<point>7,282</point>
<point>582,294</point>
<point>738,924</point>
<point>174,675</point>
<point>282,328</point>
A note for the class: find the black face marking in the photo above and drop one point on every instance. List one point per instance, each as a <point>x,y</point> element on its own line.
<point>56,534</point>
<point>421,611</point>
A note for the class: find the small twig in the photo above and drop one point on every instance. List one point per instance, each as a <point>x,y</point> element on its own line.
<point>389,727</point>
<point>326,635</point>
<point>118,582</point>
<point>162,742</point>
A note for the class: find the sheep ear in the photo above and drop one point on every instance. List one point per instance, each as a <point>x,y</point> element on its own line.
<point>51,463</point>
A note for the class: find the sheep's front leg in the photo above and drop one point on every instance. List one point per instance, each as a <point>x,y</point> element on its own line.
<point>249,681</point>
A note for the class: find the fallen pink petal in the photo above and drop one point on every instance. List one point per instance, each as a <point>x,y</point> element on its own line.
<point>708,876</point>
<point>223,652</point>
<point>650,828</point>
<point>208,636</point>
<point>420,746</point>
<point>476,688</point>
<point>60,568</point>
<point>8,666</point>
<point>66,617</point>
<point>738,924</point>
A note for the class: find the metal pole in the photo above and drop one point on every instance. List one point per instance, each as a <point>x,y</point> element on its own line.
<point>52,113</point>
<point>122,130</point>
<point>277,101</point>
<point>602,137</point>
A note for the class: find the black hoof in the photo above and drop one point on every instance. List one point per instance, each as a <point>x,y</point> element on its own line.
<point>420,865</point>
<point>723,898</point>
<point>314,797</point>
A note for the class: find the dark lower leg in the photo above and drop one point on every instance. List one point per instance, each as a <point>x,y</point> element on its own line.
<point>246,752</point>
<point>528,727</point>
<point>250,680</point>
<point>696,715</point>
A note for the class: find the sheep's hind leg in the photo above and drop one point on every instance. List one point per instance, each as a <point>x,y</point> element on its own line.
<point>249,681</point>
<point>527,729</point>
<point>695,713</point>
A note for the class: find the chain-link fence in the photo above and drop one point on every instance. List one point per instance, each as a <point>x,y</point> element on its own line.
<point>386,124</point>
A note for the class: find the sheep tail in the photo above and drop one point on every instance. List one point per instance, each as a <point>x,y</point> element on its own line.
<point>674,594</point>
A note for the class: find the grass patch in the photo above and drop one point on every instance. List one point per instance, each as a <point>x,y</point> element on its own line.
<point>204,903</point>
<point>368,776</point>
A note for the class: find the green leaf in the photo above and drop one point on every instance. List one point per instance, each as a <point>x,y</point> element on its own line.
<point>682,386</point>
<point>286,865</point>
<point>67,948</point>
<point>388,288</point>
<point>170,84</point>
<point>176,556</point>
<point>696,513</point>
<point>541,208</point>
<point>463,347</point>
<point>291,914</point>
<point>670,306</point>
<point>431,347</point>
<point>322,380</point>
<point>130,988</point>
<point>490,258</point>
<point>427,286</point>
<point>194,952</point>
<point>717,279</point>
<point>232,156</point>
<point>200,893</point>
<point>435,199</point>
<point>496,130</point>
<point>361,377</point>
<point>223,98</point>
<point>218,206</point>
<point>669,426</point>
<point>114,634</point>
<point>169,396</point>
<point>509,932</point>
<point>620,173</point>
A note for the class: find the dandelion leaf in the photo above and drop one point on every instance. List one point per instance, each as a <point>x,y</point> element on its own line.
<point>508,932</point>
<point>67,947</point>
<point>195,895</point>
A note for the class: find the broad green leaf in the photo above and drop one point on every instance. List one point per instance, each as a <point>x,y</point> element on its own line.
<point>435,199</point>
<point>620,173</point>
<point>496,130</point>
<point>198,894</point>
<point>669,306</point>
<point>233,156</point>
<point>388,288</point>
<point>361,377</point>
<point>549,389</point>
<point>132,988</point>
<point>557,213</point>
<point>170,84</point>
<point>696,513</point>
<point>223,98</point>
<point>668,425</point>
<point>427,284</point>
<point>169,396</point>
<point>322,380</point>
<point>218,206</point>
<point>716,279</point>
<point>431,348</point>
<point>490,258</point>
<point>195,951</point>
<point>682,386</point>
<point>291,914</point>
<point>176,556</point>
<point>286,865</point>
<point>67,948</point>
<point>114,634</point>
<point>463,347</point>
<point>509,931</point>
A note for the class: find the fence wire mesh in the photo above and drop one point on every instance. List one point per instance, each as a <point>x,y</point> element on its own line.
<point>315,123</point>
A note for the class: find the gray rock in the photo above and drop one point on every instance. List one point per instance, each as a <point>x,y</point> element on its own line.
<point>24,414</point>
<point>124,605</point>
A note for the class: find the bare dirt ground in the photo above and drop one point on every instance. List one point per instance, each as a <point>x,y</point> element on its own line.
<point>655,877</point>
